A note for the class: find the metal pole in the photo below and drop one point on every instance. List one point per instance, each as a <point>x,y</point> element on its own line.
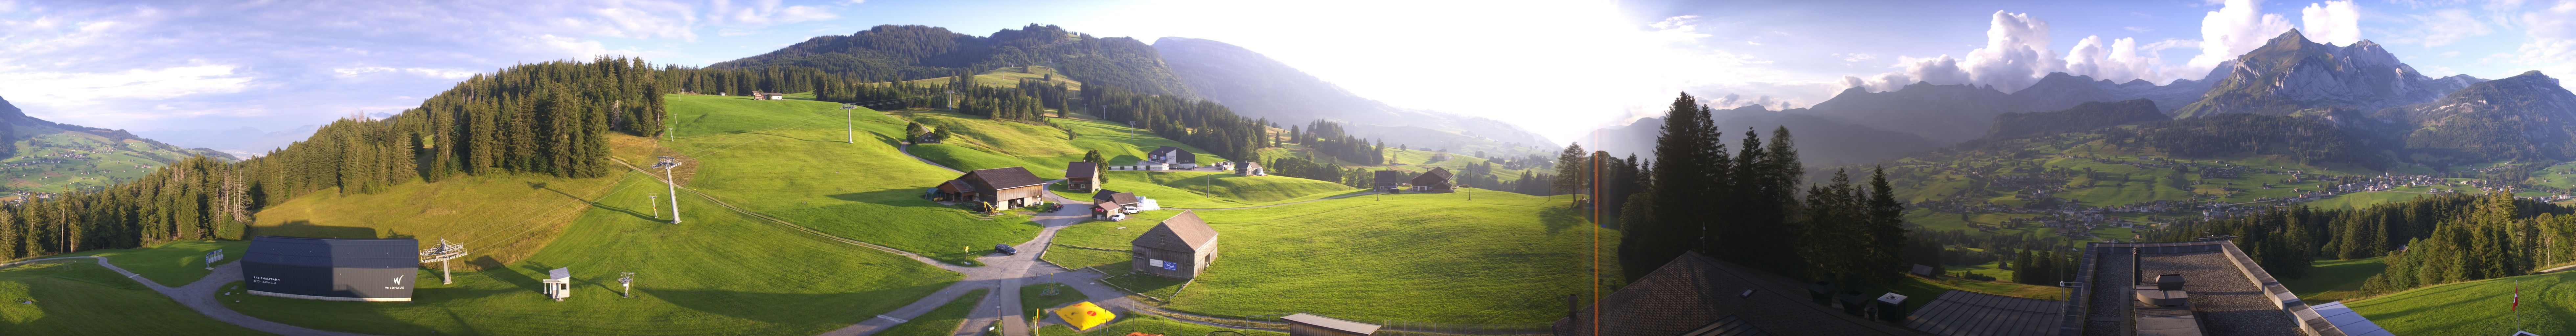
<point>672,183</point>
<point>443,276</point>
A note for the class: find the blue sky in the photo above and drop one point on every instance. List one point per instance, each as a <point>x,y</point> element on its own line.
<point>278,64</point>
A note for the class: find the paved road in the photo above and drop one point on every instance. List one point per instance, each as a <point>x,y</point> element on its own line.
<point>1004,275</point>
<point>201,296</point>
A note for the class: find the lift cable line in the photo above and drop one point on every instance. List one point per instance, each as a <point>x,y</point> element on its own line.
<point>441,254</point>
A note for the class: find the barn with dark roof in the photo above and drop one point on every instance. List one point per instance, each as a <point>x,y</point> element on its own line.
<point>1436,180</point>
<point>1082,176</point>
<point>1180,247</point>
<point>1007,187</point>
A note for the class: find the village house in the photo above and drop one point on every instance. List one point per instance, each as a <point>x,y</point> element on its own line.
<point>1009,187</point>
<point>1388,181</point>
<point>1079,176</point>
<point>1112,201</point>
<point>1436,180</point>
<point>1180,247</point>
<point>1173,155</point>
<point>1249,168</point>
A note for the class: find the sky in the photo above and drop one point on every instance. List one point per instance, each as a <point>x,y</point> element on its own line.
<point>1560,68</point>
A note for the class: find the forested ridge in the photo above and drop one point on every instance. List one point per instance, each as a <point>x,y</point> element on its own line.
<point>2427,241</point>
<point>888,53</point>
<point>546,118</point>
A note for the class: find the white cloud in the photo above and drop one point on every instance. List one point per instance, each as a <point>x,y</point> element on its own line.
<point>2137,29</point>
<point>2016,54</point>
<point>2233,30</point>
<point>2443,27</point>
<point>1855,57</point>
<point>2333,22</point>
<point>2117,60</point>
<point>85,88</point>
<point>2552,39</point>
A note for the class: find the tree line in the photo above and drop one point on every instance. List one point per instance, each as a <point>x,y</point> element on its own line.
<point>1744,207</point>
<point>2427,241</point>
<point>1200,123</point>
<point>548,118</point>
<point>1330,139</point>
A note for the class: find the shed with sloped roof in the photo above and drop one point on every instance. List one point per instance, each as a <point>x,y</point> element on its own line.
<point>1181,247</point>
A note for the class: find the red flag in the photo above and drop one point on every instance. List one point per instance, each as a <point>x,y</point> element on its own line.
<point>2517,297</point>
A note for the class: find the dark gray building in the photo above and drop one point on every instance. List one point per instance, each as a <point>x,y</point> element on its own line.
<point>332,269</point>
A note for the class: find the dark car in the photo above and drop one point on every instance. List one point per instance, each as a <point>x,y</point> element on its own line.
<point>1006,249</point>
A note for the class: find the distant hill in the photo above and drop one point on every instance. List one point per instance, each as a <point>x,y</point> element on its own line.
<point>907,52</point>
<point>1821,142</point>
<point>2527,117</point>
<point>2086,116</point>
<point>1257,86</point>
<point>44,156</point>
<point>242,141</point>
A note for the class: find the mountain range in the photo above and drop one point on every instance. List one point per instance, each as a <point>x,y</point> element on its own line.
<point>44,156</point>
<point>1251,84</point>
<point>2361,89</point>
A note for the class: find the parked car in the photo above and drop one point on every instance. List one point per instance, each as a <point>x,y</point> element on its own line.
<point>1127,209</point>
<point>1053,207</point>
<point>1006,249</point>
<point>1117,217</point>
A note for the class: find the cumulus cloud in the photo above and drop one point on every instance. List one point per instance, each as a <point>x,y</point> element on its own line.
<point>2552,40</point>
<point>2335,22</point>
<point>2232,30</point>
<point>2015,55</point>
<point>2119,59</point>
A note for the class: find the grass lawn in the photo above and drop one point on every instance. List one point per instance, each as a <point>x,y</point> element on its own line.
<point>171,264</point>
<point>939,322</point>
<point>1207,189</point>
<point>761,156</point>
<point>1034,298</point>
<point>1138,323</point>
<point>80,298</point>
<point>1410,257</point>
<point>1099,234</point>
<point>718,273</point>
<point>2478,307</point>
<point>2334,280</point>
<point>506,216</point>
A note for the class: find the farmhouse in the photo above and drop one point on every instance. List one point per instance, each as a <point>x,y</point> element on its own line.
<point>1388,180</point>
<point>1079,176</point>
<point>1180,247</point>
<point>1249,168</point>
<point>1111,200</point>
<point>1169,154</point>
<point>1007,187</point>
<point>1436,180</point>
<point>768,95</point>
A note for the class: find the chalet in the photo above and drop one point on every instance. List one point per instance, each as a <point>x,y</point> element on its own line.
<point>1388,181</point>
<point>1111,200</point>
<point>1180,247</point>
<point>1079,176</point>
<point>1436,180</point>
<point>1249,168</point>
<point>1008,187</point>
<point>1169,154</point>
<point>768,95</point>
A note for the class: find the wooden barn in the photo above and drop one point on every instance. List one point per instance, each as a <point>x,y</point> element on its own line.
<point>1107,201</point>
<point>1080,176</point>
<point>1436,180</point>
<point>1180,247</point>
<point>1169,154</point>
<point>1388,181</point>
<point>1008,187</point>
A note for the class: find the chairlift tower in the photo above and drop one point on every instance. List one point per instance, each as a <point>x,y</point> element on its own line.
<point>671,183</point>
<point>441,254</point>
<point>627,279</point>
<point>847,125</point>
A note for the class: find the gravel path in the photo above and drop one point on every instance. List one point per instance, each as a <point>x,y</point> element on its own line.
<point>200,296</point>
<point>2225,302</point>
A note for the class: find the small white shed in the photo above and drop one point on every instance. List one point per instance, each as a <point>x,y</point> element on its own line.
<point>558,284</point>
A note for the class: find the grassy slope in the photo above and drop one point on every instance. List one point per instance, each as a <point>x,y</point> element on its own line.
<point>1206,189</point>
<point>171,264</point>
<point>2477,307</point>
<point>2334,280</point>
<point>782,158</point>
<point>718,273</point>
<point>1416,257</point>
<point>939,322</point>
<point>983,143</point>
<point>81,298</point>
<point>504,216</point>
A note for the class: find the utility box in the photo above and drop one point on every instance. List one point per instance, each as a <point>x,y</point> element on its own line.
<point>558,284</point>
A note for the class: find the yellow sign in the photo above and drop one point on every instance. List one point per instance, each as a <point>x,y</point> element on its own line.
<point>1085,315</point>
